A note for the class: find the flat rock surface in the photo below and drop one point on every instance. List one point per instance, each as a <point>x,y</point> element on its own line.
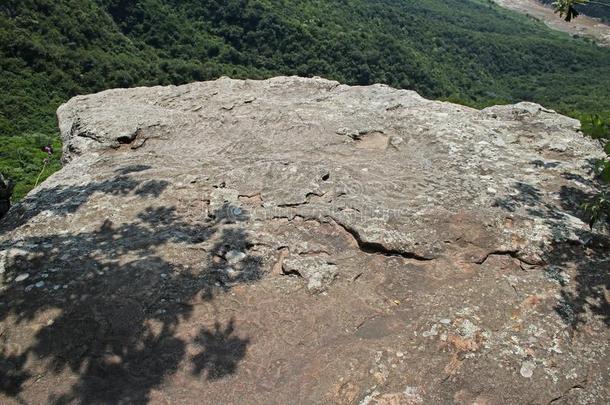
<point>299,241</point>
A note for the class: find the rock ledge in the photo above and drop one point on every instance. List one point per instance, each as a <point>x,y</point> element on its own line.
<point>297,240</point>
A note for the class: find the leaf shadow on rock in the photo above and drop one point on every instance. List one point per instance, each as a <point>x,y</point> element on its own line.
<point>63,200</point>
<point>222,350</point>
<point>113,300</point>
<point>585,295</point>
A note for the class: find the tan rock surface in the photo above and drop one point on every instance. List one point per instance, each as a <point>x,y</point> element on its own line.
<point>300,241</point>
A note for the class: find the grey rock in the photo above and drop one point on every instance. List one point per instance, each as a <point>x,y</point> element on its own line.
<point>527,369</point>
<point>234,256</point>
<point>468,329</point>
<point>181,208</point>
<point>443,148</point>
<point>432,332</point>
<point>318,273</point>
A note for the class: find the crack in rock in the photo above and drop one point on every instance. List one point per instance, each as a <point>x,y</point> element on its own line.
<point>378,248</point>
<point>574,387</point>
<point>514,253</point>
<point>308,198</point>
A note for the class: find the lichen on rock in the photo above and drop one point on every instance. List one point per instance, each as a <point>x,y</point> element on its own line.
<point>157,258</point>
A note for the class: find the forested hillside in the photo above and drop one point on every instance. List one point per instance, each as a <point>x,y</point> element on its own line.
<point>468,51</point>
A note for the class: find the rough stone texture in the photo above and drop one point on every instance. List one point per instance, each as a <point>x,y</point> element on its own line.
<point>318,272</point>
<point>169,261</point>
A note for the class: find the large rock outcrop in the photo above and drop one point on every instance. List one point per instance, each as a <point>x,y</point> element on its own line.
<point>300,241</point>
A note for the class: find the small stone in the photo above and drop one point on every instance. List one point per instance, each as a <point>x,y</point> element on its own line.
<point>399,354</point>
<point>231,272</point>
<point>499,142</point>
<point>432,332</point>
<point>396,140</point>
<point>39,284</point>
<point>234,256</point>
<point>468,329</point>
<point>558,146</point>
<point>21,277</point>
<point>527,369</point>
<point>413,395</point>
<point>445,321</point>
<point>318,273</point>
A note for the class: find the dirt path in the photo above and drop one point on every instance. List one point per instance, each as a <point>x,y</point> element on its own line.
<point>582,26</point>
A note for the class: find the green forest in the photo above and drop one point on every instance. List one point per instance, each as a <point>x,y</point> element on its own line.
<point>467,51</point>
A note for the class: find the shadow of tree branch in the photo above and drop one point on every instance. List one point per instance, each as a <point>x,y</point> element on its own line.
<point>117,301</point>
<point>587,294</point>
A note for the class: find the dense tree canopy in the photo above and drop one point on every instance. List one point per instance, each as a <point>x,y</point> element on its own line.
<point>470,51</point>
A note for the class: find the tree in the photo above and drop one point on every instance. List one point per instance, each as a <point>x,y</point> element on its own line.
<point>567,8</point>
<point>6,191</point>
<point>598,128</point>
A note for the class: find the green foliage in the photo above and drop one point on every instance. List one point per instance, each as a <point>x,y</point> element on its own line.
<point>469,51</point>
<point>23,160</point>
<point>568,8</point>
<point>597,126</point>
<point>594,125</point>
<point>598,210</point>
